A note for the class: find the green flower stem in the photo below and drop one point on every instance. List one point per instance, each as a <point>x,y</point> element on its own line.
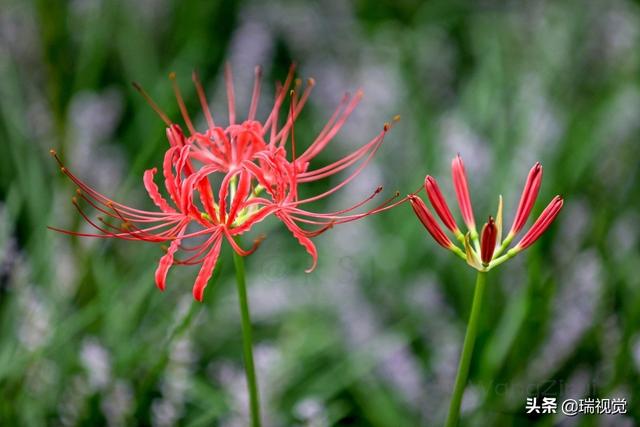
<point>467,351</point>
<point>247,341</point>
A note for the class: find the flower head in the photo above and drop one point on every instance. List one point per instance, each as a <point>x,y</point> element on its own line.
<point>485,251</point>
<point>221,182</point>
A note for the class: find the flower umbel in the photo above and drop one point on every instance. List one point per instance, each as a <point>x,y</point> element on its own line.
<point>484,251</point>
<point>220,182</point>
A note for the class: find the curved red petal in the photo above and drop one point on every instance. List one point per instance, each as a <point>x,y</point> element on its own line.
<point>206,270</point>
<point>153,191</point>
<point>165,263</point>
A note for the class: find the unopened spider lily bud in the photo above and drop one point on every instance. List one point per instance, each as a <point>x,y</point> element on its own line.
<point>440,204</point>
<point>488,240</point>
<point>462,193</point>
<point>429,222</point>
<point>542,223</point>
<point>528,198</point>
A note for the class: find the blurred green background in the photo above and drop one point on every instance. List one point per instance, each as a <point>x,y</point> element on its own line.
<point>372,337</point>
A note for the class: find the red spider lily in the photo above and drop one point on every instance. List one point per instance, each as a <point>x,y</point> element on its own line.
<point>485,252</point>
<point>257,179</point>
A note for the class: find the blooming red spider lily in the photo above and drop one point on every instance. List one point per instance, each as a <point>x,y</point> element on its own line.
<point>257,176</point>
<point>485,251</point>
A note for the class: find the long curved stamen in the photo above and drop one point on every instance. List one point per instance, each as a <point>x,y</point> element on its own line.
<point>137,213</point>
<point>321,142</point>
<point>181,105</point>
<point>153,105</point>
<point>295,111</point>
<point>356,172</point>
<point>255,96</point>
<point>281,92</point>
<point>203,100</point>
<point>312,149</point>
<point>238,249</point>
<point>231,97</point>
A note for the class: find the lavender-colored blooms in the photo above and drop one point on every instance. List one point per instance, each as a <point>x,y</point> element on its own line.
<point>118,403</point>
<point>232,378</point>
<point>543,121</point>
<point>42,377</point>
<point>624,234</point>
<point>573,313</point>
<point>458,137</point>
<point>442,339</point>
<point>635,351</point>
<point>73,400</point>
<point>96,360</point>
<point>573,229</point>
<point>312,412</point>
<point>401,369</point>
<point>93,119</point>
<point>34,330</point>
<point>175,384</point>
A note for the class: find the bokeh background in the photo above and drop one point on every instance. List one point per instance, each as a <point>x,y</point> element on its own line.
<point>372,337</point>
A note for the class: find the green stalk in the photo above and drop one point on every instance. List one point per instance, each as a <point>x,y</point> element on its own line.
<point>467,351</point>
<point>247,341</point>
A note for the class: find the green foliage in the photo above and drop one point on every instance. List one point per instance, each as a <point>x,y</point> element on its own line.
<point>371,337</point>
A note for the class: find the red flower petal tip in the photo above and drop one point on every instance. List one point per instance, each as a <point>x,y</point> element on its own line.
<point>528,198</point>
<point>462,192</point>
<point>439,203</point>
<point>429,222</point>
<point>542,223</point>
